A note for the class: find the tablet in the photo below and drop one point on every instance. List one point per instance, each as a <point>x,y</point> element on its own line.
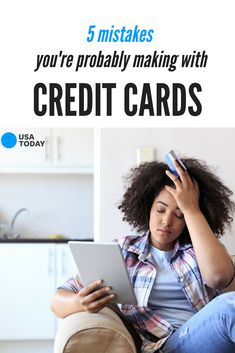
<point>104,261</point>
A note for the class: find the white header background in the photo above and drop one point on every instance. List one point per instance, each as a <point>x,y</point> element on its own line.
<point>31,28</point>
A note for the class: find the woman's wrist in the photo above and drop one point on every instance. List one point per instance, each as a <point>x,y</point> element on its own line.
<point>192,212</point>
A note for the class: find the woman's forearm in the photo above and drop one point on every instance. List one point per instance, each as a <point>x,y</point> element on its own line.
<point>213,260</point>
<point>65,303</point>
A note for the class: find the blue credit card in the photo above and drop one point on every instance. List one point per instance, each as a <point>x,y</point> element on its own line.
<point>169,158</point>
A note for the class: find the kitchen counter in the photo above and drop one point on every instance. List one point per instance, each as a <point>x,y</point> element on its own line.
<point>40,240</point>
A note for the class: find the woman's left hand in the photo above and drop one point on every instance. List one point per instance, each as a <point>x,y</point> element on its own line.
<point>186,191</point>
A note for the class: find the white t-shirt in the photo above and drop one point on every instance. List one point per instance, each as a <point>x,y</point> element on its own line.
<point>167,296</point>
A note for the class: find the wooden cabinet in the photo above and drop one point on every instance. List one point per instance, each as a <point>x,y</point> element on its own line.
<point>29,275</point>
<point>49,151</point>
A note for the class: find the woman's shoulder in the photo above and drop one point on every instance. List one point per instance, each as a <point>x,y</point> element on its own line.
<point>128,241</point>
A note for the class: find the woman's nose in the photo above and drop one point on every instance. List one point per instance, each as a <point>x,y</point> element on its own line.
<point>167,220</point>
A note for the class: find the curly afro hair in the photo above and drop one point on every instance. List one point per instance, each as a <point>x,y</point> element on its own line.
<point>147,181</point>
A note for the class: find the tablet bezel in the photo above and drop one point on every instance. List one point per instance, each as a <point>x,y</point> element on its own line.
<point>104,261</point>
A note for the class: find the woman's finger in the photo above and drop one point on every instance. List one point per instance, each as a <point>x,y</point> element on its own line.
<point>174,178</point>
<point>95,296</point>
<point>172,191</point>
<point>99,304</point>
<point>90,288</point>
<point>195,183</point>
<point>182,173</point>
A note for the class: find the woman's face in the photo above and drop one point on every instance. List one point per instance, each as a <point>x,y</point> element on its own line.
<point>166,221</point>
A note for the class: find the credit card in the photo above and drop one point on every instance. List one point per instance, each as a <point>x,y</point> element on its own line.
<point>169,158</point>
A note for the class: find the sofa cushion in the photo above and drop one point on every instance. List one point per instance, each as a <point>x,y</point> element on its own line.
<point>102,332</point>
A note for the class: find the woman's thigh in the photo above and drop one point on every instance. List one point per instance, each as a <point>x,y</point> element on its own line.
<point>211,330</point>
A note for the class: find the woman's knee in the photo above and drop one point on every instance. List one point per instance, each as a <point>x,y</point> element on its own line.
<point>225,303</point>
<point>226,298</point>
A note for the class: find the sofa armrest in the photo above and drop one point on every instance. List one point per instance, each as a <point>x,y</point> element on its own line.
<point>102,332</point>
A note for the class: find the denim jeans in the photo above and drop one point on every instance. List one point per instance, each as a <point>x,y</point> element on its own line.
<point>211,330</point>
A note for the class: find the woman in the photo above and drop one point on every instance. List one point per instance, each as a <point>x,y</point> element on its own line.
<point>177,266</point>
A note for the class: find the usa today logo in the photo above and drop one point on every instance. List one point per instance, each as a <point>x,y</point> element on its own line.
<point>10,140</point>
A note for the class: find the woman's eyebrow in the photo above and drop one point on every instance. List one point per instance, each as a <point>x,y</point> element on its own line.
<point>165,204</point>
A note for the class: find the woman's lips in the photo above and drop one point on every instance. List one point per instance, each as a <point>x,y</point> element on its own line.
<point>164,231</point>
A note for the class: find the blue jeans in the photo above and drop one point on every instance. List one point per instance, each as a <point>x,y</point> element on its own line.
<point>211,330</point>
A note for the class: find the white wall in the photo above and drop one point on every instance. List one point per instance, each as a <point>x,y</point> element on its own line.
<point>58,203</point>
<point>117,154</point>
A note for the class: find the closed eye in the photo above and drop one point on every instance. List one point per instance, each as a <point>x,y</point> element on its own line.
<point>179,215</point>
<point>160,210</point>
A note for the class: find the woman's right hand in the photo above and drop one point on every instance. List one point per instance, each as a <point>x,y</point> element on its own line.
<point>93,298</point>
